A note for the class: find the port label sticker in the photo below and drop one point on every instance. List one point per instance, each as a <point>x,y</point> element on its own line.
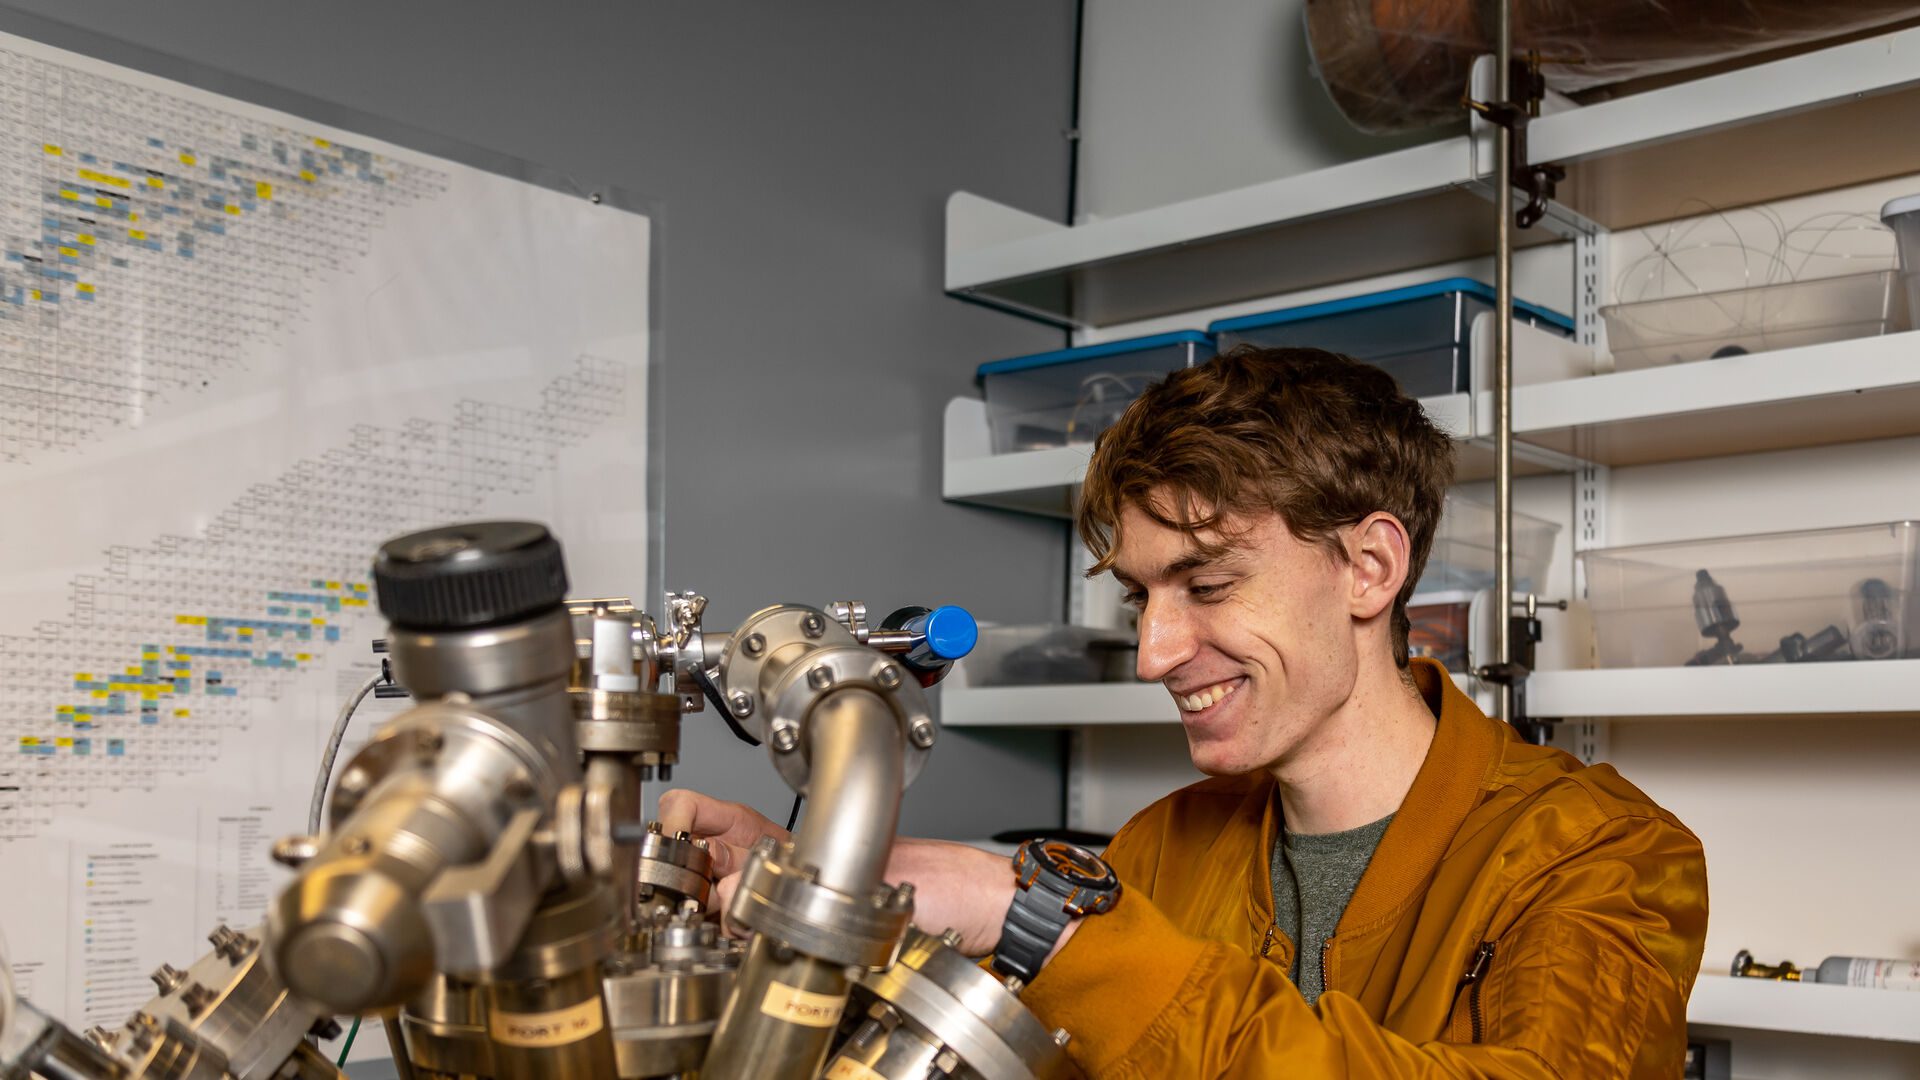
<point>556,1028</point>
<point>797,1006</point>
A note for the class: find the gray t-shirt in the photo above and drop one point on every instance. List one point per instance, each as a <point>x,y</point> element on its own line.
<point>1313,878</point>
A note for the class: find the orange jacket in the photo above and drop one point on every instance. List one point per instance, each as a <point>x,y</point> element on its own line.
<point>1523,916</point>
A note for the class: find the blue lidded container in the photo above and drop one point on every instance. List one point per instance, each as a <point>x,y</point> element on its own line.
<point>1068,396</point>
<point>1421,334</point>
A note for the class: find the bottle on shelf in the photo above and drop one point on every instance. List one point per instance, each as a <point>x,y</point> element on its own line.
<point>1862,971</point>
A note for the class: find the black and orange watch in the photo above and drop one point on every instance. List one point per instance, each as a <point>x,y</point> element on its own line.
<point>1056,883</point>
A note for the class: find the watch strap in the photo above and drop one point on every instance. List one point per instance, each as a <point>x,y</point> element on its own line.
<point>1034,923</point>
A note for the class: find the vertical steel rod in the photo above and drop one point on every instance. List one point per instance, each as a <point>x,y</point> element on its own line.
<point>1503,362</point>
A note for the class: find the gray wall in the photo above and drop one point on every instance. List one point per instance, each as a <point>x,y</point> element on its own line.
<point>799,155</point>
<point>1180,100</point>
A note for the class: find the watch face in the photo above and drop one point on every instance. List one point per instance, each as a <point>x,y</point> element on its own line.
<point>1076,864</point>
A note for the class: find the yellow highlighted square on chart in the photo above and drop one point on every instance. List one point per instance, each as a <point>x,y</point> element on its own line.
<point>232,209</point>
<point>69,251</point>
<point>133,670</point>
<point>155,182</point>
<point>99,693</point>
<point>70,196</point>
<point>36,294</point>
<point>84,288</point>
<point>322,143</point>
<point>180,713</point>
<point>63,741</point>
<point>245,631</point>
<point>319,622</point>
<point>104,203</point>
<point>52,149</point>
<point>84,238</point>
<point>82,676</point>
<point>136,234</point>
<point>333,585</point>
<point>307,175</point>
<point>187,159</point>
<point>263,189</point>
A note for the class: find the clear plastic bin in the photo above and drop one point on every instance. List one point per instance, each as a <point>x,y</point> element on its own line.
<point>1049,653</point>
<point>1421,335</point>
<point>1069,396</point>
<point>1462,556</point>
<point>1680,329</point>
<point>1827,594</point>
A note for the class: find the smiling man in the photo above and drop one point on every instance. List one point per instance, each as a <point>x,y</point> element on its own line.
<point>1378,880</point>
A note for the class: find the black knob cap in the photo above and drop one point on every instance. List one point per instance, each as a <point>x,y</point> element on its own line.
<point>463,577</point>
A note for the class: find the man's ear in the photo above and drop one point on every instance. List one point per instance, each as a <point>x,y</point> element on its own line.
<point>1380,554</point>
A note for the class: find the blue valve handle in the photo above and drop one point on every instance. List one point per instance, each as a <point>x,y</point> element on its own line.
<point>939,637</point>
<point>950,634</point>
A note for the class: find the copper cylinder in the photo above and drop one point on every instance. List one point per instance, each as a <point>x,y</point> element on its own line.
<point>1401,65</point>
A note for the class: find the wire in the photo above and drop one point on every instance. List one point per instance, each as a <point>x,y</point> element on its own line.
<point>713,698</point>
<point>348,1045</point>
<point>794,814</point>
<point>333,748</point>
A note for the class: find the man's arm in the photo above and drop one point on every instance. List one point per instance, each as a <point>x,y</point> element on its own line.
<point>1591,967</point>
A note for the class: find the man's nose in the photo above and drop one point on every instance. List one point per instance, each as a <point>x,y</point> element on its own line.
<point>1166,640</point>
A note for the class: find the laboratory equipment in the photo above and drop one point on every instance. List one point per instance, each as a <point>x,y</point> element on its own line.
<point>1863,971</point>
<point>483,879</point>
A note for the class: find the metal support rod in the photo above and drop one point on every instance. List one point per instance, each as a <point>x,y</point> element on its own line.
<point>1503,362</point>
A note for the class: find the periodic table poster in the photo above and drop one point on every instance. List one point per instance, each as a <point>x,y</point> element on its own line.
<point>237,351</point>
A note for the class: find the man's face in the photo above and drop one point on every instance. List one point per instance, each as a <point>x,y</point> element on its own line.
<point>1256,645</point>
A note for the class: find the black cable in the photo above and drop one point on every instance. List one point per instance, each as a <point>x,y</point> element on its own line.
<point>713,698</point>
<point>794,814</point>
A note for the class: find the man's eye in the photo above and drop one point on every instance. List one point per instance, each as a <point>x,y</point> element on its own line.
<point>1134,599</point>
<point>1202,592</point>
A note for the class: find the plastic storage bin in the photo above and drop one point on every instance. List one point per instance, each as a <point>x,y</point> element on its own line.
<point>1763,318</point>
<point>1421,335</point>
<point>1068,396</point>
<point>1049,653</point>
<point>1827,594</point>
<point>1462,556</point>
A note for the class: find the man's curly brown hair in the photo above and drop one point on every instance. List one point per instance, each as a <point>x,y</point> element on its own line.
<point>1318,438</point>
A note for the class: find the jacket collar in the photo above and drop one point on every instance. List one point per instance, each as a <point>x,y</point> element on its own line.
<point>1466,747</point>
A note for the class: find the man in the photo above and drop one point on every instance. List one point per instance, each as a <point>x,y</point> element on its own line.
<point>1378,880</point>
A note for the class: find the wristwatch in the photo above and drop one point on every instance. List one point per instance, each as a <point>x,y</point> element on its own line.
<point>1057,883</point>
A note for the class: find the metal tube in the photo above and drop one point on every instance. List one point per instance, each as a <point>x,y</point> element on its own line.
<point>1503,364</point>
<point>397,1042</point>
<point>786,1005</point>
<point>853,744</point>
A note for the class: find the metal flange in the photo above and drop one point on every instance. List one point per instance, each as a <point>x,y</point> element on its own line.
<point>831,670</point>
<point>677,865</point>
<point>781,900</point>
<point>970,1011</point>
<point>627,722</point>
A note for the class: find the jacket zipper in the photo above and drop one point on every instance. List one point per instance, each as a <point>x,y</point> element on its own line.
<point>1266,943</point>
<point>1326,947</point>
<point>1474,978</point>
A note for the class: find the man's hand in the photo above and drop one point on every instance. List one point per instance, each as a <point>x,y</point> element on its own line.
<point>955,886</point>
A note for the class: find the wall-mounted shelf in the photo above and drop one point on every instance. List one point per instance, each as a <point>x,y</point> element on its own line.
<point>1863,687</point>
<point>1077,705</point>
<point>1812,396</point>
<point>1716,139</point>
<point>1806,123</point>
<point>1807,1009</point>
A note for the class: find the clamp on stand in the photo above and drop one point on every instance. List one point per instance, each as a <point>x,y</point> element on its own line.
<point>1539,180</point>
